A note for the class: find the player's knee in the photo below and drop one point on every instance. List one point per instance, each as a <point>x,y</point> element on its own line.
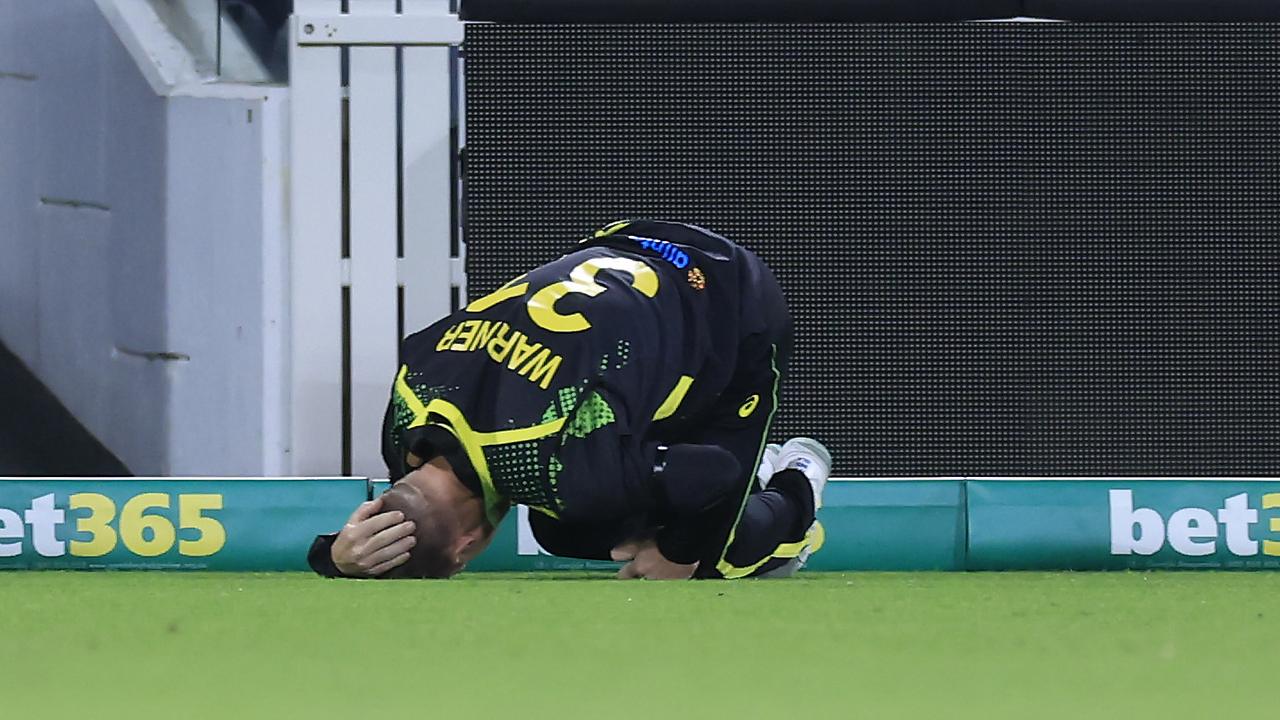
<point>696,476</point>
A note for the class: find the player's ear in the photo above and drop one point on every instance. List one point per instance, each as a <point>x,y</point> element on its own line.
<point>473,542</point>
<point>467,541</point>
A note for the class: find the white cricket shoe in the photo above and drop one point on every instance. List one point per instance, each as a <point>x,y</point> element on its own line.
<point>814,460</point>
<point>768,460</point>
<point>809,457</point>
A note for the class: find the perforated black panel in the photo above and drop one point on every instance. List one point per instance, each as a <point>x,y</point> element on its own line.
<point>1010,249</point>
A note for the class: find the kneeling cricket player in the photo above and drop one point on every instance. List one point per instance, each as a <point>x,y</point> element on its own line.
<point>624,393</point>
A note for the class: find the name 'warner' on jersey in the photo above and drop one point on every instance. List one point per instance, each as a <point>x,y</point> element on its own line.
<point>559,379</point>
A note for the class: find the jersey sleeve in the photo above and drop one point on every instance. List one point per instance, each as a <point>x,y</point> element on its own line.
<point>600,473</point>
<point>604,473</point>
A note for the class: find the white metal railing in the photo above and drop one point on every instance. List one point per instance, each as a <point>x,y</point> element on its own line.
<point>395,145</point>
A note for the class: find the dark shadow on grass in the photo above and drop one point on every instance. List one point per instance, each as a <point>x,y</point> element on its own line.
<point>542,576</point>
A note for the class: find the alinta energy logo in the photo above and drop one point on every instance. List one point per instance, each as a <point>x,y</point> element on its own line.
<point>1195,531</point>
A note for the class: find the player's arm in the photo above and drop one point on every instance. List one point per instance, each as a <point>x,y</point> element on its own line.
<point>371,543</point>
<point>695,491</point>
<point>646,562</point>
<point>601,470</point>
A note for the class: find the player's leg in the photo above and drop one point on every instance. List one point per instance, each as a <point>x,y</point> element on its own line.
<point>767,527</point>
<point>776,514</point>
<point>773,521</point>
<point>807,457</point>
<point>778,529</point>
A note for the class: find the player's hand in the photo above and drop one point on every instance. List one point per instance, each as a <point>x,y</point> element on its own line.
<point>373,542</point>
<point>646,562</point>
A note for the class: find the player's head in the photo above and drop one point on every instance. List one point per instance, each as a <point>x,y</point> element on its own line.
<point>451,527</point>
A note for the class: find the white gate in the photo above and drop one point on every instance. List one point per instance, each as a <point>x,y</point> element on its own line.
<point>371,214</point>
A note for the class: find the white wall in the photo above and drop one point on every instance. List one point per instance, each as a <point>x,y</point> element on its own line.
<point>225,308</point>
<point>134,230</point>
<point>82,215</point>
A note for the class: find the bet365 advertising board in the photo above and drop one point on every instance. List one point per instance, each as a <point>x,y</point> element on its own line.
<point>1114,524</point>
<point>267,524</point>
<point>169,523</point>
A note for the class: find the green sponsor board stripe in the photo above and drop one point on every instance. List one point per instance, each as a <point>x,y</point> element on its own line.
<point>892,525</point>
<point>239,524</point>
<point>1108,524</point>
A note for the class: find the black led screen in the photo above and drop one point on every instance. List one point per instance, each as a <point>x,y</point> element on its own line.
<point>1010,249</point>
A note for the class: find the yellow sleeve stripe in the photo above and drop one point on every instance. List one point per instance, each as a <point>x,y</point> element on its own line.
<point>672,403</point>
<point>411,400</point>
<point>612,228</point>
<point>473,442</point>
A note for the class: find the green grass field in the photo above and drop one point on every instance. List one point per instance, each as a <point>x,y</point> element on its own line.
<point>874,645</point>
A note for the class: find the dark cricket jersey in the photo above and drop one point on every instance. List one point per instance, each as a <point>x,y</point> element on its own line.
<point>558,389</point>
